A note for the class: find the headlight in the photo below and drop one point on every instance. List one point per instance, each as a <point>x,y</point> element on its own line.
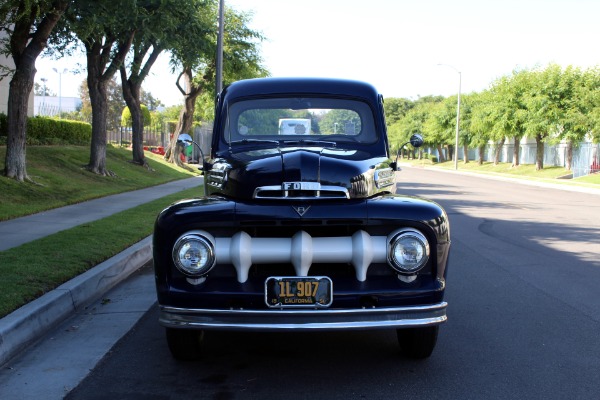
<point>194,254</point>
<point>408,251</point>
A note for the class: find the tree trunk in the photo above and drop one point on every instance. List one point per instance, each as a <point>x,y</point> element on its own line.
<point>539,152</point>
<point>26,43</point>
<point>184,125</point>
<point>466,154</point>
<point>137,131</point>
<point>99,53</point>
<point>516,149</point>
<point>132,87</point>
<point>131,94</point>
<point>441,157</point>
<point>18,97</point>
<point>569,155</point>
<point>481,151</point>
<point>99,102</point>
<point>186,117</point>
<point>499,147</point>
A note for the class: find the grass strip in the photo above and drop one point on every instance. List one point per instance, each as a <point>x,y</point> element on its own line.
<point>61,179</point>
<point>549,174</point>
<point>35,268</point>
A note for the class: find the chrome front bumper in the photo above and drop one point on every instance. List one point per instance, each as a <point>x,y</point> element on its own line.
<point>307,320</point>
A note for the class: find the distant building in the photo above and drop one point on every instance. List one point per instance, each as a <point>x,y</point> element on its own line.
<point>5,83</point>
<point>52,105</point>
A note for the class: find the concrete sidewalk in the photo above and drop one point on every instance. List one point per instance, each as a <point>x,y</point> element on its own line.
<point>16,232</point>
<point>27,324</point>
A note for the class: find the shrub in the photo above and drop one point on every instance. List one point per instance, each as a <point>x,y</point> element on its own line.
<point>46,131</point>
<point>126,116</point>
<point>50,131</point>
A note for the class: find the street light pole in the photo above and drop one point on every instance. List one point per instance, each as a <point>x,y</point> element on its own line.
<point>64,71</point>
<point>457,116</point>
<point>43,98</point>
<point>219,72</point>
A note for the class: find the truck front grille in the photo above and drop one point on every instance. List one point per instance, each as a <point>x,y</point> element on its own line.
<point>301,251</point>
<point>278,193</point>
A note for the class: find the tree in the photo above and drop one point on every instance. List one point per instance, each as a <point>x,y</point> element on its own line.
<point>592,98</point>
<point>336,120</point>
<point>195,55</point>
<point>544,101</point>
<point>441,124</point>
<point>126,116</point>
<point>396,108</point>
<point>150,101</point>
<point>114,103</point>
<point>28,24</point>
<point>466,135</point>
<point>415,121</point>
<point>481,122</point>
<point>510,110</point>
<point>575,108</point>
<point>42,90</point>
<point>106,33</point>
<point>160,27</point>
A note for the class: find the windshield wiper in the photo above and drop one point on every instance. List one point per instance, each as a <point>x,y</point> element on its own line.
<point>310,142</point>
<point>246,141</point>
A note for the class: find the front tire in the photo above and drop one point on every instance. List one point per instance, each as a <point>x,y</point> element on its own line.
<point>185,344</point>
<point>418,343</point>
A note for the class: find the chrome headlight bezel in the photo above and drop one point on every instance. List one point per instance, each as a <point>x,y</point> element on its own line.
<point>205,249</point>
<point>416,242</point>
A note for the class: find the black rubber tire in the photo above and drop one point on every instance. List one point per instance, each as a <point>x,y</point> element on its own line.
<point>185,344</point>
<point>418,343</point>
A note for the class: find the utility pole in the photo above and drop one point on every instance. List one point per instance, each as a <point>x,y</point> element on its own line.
<point>219,83</point>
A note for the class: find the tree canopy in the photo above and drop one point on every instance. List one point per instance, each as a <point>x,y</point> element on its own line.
<point>550,105</point>
<point>196,59</point>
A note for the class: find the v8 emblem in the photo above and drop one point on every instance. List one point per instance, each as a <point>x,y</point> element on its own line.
<point>301,210</point>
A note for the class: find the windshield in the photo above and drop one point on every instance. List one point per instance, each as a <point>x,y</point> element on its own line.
<point>300,120</point>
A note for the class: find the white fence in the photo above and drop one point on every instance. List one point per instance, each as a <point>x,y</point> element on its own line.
<point>586,155</point>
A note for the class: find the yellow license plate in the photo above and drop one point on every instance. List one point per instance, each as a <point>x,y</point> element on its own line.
<point>298,291</point>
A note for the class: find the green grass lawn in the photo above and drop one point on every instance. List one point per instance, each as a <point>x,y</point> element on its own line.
<point>60,178</point>
<point>35,268</point>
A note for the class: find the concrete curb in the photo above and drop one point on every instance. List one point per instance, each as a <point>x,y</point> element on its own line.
<point>24,326</point>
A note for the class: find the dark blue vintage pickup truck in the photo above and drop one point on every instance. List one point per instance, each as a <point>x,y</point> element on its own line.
<point>300,226</point>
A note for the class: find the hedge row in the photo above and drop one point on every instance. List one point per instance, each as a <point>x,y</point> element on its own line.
<point>50,131</point>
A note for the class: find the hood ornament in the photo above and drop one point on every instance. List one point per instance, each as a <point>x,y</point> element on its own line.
<point>301,210</point>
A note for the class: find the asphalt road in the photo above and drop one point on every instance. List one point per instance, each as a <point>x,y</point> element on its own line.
<point>524,318</point>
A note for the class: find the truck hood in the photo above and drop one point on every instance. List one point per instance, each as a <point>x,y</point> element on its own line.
<point>300,173</point>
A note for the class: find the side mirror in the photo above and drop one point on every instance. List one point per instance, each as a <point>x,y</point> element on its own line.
<point>416,140</point>
<point>185,139</point>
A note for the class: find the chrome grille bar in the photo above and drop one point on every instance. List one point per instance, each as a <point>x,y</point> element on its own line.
<point>276,192</point>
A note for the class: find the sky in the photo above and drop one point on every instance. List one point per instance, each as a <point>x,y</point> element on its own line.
<point>405,48</point>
